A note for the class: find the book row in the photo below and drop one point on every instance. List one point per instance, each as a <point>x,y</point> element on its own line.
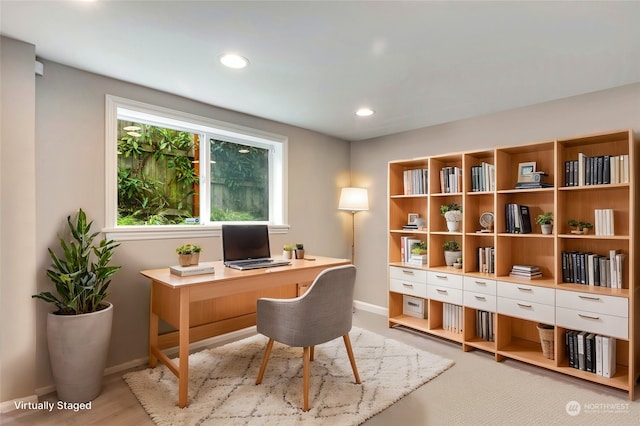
<point>484,325</point>
<point>450,180</point>
<point>483,177</point>
<point>591,352</point>
<point>416,181</point>
<point>604,222</point>
<point>517,218</point>
<point>406,245</point>
<point>598,170</point>
<point>452,318</point>
<point>486,260</point>
<point>593,269</point>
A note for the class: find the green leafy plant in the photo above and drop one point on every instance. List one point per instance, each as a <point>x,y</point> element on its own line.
<point>82,275</point>
<point>451,245</point>
<point>419,248</point>
<point>287,247</point>
<point>186,249</point>
<point>299,246</point>
<point>544,218</point>
<point>444,208</point>
<point>579,225</point>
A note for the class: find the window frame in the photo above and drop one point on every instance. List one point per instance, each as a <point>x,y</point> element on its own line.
<point>278,148</point>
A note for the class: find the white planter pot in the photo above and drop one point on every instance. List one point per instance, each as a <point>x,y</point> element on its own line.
<point>453,226</point>
<point>78,348</point>
<point>450,257</point>
<point>547,229</point>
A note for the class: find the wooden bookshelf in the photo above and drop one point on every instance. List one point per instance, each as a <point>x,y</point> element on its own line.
<point>518,304</point>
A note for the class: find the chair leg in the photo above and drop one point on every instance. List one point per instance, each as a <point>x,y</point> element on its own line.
<point>352,360</point>
<point>312,353</point>
<point>265,360</point>
<point>305,378</point>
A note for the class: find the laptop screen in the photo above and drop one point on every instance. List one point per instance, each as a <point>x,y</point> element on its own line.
<point>243,242</point>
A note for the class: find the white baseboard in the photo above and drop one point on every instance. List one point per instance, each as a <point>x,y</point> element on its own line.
<point>379,310</point>
<point>8,406</point>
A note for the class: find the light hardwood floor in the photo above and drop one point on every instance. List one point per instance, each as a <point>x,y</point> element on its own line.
<point>475,391</point>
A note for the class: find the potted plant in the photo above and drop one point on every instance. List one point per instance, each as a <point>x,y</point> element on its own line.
<point>451,252</point>
<point>184,254</point>
<point>195,255</point>
<point>452,213</point>
<point>419,253</point>
<point>579,226</point>
<point>78,332</point>
<point>458,263</point>
<point>299,251</point>
<point>545,220</point>
<point>287,251</point>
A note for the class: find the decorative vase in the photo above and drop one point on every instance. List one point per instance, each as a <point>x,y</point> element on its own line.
<point>547,228</point>
<point>453,225</point>
<point>546,333</point>
<point>184,259</point>
<point>78,347</point>
<point>450,257</point>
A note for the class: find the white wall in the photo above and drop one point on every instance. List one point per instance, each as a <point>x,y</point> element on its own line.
<point>17,219</point>
<point>68,152</point>
<point>608,110</point>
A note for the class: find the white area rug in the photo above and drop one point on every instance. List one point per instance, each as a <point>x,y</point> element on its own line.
<point>222,389</point>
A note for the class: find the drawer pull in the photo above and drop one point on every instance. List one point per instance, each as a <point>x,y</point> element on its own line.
<point>407,272</point>
<point>442,277</point>
<point>439,290</point>
<point>480,298</point>
<point>524,289</point>
<point>407,285</point>
<point>588,317</point>
<point>589,297</point>
<point>481,282</point>
<point>522,305</point>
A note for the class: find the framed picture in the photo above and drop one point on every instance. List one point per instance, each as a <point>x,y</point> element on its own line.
<point>413,218</point>
<point>526,171</point>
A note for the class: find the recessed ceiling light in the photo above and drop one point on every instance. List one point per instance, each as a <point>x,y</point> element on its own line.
<point>365,112</point>
<point>234,61</point>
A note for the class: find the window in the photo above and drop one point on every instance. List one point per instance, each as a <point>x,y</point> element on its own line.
<point>175,174</point>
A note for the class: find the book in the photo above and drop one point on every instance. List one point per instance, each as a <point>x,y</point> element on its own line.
<point>582,365</point>
<point>598,355</point>
<point>185,271</point>
<point>608,356</point>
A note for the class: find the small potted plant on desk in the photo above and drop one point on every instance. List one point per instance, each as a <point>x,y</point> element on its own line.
<point>287,251</point>
<point>185,253</point>
<point>299,251</point>
<point>545,220</point>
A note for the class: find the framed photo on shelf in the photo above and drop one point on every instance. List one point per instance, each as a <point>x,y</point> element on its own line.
<point>413,218</point>
<point>526,171</point>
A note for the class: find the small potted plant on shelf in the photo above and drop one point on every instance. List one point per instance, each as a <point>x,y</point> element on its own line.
<point>451,252</point>
<point>545,220</point>
<point>458,263</point>
<point>419,253</point>
<point>452,213</point>
<point>579,226</point>
<point>287,251</point>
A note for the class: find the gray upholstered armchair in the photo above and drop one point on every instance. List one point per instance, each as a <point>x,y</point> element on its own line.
<point>322,314</point>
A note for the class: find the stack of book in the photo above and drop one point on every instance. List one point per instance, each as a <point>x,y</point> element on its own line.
<point>450,179</point>
<point>483,177</point>
<point>406,244</point>
<point>598,170</point>
<point>452,318</point>
<point>484,325</point>
<point>486,260</point>
<point>525,271</point>
<point>593,269</point>
<point>604,222</point>
<point>591,352</point>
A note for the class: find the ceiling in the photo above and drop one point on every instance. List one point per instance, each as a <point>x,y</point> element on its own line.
<point>313,63</point>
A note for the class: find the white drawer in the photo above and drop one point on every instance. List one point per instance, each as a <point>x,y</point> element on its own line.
<point>408,274</point>
<point>479,285</point>
<point>484,302</point>
<point>444,279</point>
<point>408,287</point>
<point>529,293</point>
<point>444,294</point>
<point>524,309</point>
<point>608,325</point>
<point>610,305</point>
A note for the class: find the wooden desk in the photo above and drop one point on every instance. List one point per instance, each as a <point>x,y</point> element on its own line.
<point>203,306</point>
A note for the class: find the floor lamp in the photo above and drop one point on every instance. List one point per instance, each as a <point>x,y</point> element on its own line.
<point>354,200</point>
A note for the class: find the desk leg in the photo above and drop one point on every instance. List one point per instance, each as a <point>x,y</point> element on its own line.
<point>153,332</point>
<point>183,368</point>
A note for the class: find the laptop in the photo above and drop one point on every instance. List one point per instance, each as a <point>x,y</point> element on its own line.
<point>247,247</point>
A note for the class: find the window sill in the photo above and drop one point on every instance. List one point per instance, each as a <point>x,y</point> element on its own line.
<point>163,232</point>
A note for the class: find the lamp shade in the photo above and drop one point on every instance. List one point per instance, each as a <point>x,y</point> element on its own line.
<point>353,199</point>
